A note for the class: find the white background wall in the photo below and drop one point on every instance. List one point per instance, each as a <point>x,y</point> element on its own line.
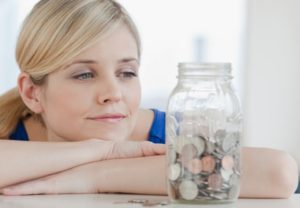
<point>171,32</point>
<point>273,75</point>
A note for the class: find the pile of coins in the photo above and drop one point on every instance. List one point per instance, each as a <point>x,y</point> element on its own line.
<point>203,164</point>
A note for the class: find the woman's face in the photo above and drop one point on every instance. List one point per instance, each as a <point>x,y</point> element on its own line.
<point>97,95</point>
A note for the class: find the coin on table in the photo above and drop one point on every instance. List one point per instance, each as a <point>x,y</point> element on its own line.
<point>208,163</point>
<point>174,171</point>
<point>215,181</point>
<point>188,190</point>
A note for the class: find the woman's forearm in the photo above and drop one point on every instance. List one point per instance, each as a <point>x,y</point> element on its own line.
<point>146,175</point>
<point>21,161</point>
<point>266,174</point>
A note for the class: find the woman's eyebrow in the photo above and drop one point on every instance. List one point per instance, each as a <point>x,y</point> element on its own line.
<point>83,61</point>
<point>88,61</point>
<point>126,60</point>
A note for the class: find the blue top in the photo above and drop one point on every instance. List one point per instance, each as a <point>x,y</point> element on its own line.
<point>19,133</point>
<point>156,134</point>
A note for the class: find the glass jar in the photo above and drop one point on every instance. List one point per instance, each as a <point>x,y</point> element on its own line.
<point>203,131</point>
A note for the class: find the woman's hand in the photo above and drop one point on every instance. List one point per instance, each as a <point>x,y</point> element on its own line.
<point>108,149</point>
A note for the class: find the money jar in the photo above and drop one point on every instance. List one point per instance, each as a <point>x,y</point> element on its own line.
<point>203,132</point>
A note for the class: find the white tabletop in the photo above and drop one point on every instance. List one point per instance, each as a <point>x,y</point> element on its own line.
<point>123,200</point>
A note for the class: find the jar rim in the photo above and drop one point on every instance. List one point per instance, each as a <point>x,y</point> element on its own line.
<point>206,65</point>
<point>204,69</point>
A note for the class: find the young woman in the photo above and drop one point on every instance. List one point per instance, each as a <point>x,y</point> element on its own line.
<point>78,105</point>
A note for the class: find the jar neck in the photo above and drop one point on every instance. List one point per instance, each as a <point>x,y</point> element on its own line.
<point>204,71</point>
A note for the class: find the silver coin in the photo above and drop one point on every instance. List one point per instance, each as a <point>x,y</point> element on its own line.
<point>226,174</point>
<point>188,190</point>
<point>199,143</point>
<point>174,171</point>
<point>229,142</point>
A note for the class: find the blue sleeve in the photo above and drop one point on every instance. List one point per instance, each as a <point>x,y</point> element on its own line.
<point>298,189</point>
<point>19,133</point>
<point>157,131</point>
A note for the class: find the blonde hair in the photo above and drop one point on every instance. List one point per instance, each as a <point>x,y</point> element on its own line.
<point>54,33</point>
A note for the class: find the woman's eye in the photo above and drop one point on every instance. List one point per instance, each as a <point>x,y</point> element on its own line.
<point>128,74</point>
<point>84,76</point>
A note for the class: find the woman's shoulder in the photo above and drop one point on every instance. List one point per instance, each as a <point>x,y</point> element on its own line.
<point>19,133</point>
<point>157,131</point>
<point>29,129</point>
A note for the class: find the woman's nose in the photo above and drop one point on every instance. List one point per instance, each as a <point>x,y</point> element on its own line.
<point>110,91</point>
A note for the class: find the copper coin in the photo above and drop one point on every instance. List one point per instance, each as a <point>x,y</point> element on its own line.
<point>188,153</point>
<point>227,162</point>
<point>208,164</point>
<point>215,181</point>
<point>195,166</point>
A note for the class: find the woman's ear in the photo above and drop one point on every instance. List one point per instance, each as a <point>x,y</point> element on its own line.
<point>30,93</point>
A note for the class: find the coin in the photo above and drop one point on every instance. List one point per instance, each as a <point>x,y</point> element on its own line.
<point>188,152</point>
<point>226,174</point>
<point>188,190</point>
<point>229,142</point>
<point>195,166</point>
<point>208,163</point>
<point>174,171</point>
<point>199,144</point>
<point>215,181</point>
<point>233,192</point>
<point>227,162</point>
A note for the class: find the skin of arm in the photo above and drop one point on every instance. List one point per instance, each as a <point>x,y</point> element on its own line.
<point>31,160</point>
<point>266,174</point>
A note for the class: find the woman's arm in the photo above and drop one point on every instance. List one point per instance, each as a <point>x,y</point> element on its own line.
<point>266,174</point>
<point>22,161</point>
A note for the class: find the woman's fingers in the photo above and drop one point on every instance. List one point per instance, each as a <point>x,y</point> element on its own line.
<point>127,149</point>
<point>149,148</point>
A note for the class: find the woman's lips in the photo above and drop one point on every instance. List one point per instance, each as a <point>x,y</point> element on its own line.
<point>111,118</point>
